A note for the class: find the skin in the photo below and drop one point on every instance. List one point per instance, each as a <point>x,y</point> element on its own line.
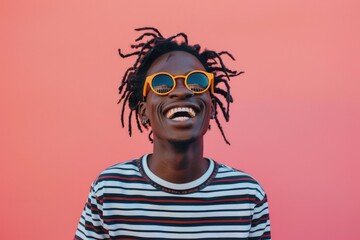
<point>178,146</point>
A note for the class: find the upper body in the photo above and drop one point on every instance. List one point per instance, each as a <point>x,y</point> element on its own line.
<point>175,193</point>
<point>128,201</point>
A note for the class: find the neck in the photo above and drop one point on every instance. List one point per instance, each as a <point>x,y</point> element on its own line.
<point>178,162</point>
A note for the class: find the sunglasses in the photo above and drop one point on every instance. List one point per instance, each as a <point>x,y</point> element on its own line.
<point>163,83</point>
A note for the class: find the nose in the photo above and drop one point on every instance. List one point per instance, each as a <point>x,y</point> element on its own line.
<point>181,91</point>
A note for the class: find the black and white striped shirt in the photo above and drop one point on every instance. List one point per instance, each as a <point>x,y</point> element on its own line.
<point>127,201</point>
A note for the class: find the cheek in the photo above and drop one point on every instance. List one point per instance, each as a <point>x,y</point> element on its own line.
<point>208,102</point>
<point>153,108</point>
<point>151,111</point>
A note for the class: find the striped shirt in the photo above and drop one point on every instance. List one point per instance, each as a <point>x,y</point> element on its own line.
<point>128,201</point>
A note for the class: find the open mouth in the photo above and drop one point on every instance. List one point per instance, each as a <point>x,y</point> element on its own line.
<point>180,113</point>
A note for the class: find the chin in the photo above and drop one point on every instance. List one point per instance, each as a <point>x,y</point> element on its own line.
<point>182,141</point>
<point>185,140</point>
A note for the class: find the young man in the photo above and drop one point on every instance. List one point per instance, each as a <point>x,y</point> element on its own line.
<point>175,193</point>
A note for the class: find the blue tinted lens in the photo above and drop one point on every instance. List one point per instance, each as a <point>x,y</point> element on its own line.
<point>197,82</point>
<point>162,83</point>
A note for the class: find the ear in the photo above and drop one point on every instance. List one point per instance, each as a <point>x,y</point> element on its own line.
<point>213,108</point>
<point>143,114</point>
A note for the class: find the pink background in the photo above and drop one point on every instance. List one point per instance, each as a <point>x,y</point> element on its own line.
<point>294,124</point>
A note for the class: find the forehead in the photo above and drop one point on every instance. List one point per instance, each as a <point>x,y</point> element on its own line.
<point>176,63</point>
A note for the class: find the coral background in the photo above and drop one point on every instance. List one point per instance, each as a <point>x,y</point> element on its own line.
<point>294,124</point>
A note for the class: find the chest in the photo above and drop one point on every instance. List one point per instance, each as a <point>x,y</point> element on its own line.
<point>166,216</point>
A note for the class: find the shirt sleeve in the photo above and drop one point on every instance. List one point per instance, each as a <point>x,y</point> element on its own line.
<point>260,224</point>
<point>91,225</point>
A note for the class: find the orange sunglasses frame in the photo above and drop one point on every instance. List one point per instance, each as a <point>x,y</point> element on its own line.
<point>148,80</point>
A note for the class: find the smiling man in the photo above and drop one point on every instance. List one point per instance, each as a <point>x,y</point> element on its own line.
<point>175,192</point>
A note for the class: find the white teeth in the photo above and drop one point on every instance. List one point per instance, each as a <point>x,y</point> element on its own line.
<point>172,111</point>
<point>180,119</point>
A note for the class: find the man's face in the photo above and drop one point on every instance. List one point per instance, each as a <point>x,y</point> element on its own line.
<point>159,110</point>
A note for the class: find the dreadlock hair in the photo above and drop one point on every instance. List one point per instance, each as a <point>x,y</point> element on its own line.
<point>146,51</point>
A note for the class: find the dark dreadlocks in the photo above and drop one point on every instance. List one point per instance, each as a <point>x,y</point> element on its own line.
<point>148,50</point>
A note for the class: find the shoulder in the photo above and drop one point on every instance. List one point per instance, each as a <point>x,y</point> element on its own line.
<point>120,169</point>
<point>117,175</point>
<point>241,180</point>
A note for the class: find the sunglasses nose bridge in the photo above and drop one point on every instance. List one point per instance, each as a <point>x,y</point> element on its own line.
<point>181,90</point>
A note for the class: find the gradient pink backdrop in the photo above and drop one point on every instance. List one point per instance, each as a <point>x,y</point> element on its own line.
<point>294,124</point>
